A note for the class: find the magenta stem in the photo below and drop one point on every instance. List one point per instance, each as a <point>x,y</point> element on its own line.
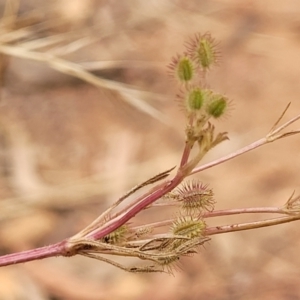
<point>237,153</point>
<point>185,154</point>
<point>34,254</point>
<point>116,223</point>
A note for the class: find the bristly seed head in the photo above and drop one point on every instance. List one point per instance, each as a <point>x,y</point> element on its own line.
<point>182,68</point>
<point>194,99</point>
<point>189,227</point>
<point>216,106</point>
<point>117,236</point>
<point>203,49</point>
<point>168,263</point>
<point>195,197</point>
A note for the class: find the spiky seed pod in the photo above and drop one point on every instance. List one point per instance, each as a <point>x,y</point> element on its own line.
<point>189,227</point>
<point>194,99</point>
<point>195,197</point>
<point>117,236</point>
<point>216,106</point>
<point>182,68</point>
<point>168,263</point>
<point>142,231</point>
<point>203,49</point>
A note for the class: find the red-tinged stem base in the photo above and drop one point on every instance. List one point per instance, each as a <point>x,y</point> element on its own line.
<point>34,254</point>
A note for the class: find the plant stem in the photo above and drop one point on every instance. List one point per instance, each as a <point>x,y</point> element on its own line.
<point>271,137</point>
<point>230,156</point>
<point>222,213</point>
<point>34,254</point>
<point>186,153</point>
<point>250,225</point>
<point>251,210</point>
<point>115,223</point>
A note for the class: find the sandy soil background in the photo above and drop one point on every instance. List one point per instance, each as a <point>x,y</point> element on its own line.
<point>68,148</point>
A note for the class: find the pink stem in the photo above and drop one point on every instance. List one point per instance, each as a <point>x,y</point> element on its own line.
<point>185,154</point>
<point>239,152</point>
<point>251,210</point>
<point>34,254</point>
<point>250,225</point>
<point>118,222</point>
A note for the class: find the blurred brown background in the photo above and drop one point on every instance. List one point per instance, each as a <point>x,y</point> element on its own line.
<point>69,148</point>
